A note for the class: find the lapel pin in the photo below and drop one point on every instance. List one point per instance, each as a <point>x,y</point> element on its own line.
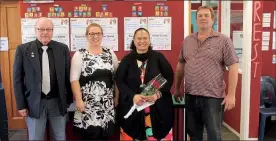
<point>32,54</point>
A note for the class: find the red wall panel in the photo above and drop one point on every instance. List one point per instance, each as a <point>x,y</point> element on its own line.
<point>256,67</point>
<point>122,9</point>
<point>233,117</point>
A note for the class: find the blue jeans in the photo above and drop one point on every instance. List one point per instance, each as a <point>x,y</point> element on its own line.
<point>49,110</point>
<point>204,111</point>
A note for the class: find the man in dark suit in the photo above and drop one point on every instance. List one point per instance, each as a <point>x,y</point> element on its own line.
<point>41,82</point>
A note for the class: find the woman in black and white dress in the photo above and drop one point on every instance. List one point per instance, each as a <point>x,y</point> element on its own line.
<point>92,81</point>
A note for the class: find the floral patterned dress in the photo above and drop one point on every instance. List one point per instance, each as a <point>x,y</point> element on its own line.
<point>96,82</point>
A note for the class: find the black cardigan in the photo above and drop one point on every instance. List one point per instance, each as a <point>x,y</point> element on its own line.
<point>128,82</point>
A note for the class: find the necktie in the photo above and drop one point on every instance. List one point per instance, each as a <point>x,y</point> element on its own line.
<point>45,71</point>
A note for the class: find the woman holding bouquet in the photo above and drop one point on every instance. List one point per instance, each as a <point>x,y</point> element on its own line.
<point>136,69</point>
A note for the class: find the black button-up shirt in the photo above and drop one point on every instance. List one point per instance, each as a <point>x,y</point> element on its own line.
<point>53,78</point>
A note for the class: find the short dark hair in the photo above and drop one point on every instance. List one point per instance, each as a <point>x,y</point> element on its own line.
<point>132,45</point>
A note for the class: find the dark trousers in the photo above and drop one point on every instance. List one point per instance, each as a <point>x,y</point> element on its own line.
<point>4,134</point>
<point>204,111</point>
<point>91,133</point>
<point>98,138</point>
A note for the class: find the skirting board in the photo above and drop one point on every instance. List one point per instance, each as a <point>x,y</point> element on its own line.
<point>231,129</point>
<point>235,132</point>
<point>252,139</point>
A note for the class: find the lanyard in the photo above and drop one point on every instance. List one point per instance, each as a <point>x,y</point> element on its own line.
<point>143,71</point>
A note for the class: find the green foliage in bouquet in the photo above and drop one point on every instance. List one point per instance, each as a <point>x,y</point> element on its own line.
<point>154,85</point>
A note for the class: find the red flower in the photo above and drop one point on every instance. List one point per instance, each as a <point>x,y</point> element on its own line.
<point>155,84</point>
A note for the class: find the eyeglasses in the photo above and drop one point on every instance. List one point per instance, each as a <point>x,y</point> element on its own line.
<point>93,34</point>
<point>139,39</point>
<point>43,29</point>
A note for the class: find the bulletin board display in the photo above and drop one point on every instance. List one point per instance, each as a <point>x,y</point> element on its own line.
<point>119,10</point>
<point>269,39</point>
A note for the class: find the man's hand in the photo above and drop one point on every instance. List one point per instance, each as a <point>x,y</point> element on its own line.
<point>23,112</point>
<point>177,96</point>
<point>229,102</point>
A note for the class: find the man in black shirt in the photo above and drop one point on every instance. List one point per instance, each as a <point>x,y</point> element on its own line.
<point>41,82</point>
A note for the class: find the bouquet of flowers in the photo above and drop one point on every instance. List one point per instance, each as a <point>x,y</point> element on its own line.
<point>148,90</point>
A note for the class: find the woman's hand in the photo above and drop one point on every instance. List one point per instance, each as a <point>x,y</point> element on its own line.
<point>139,99</point>
<point>80,105</point>
<point>154,97</point>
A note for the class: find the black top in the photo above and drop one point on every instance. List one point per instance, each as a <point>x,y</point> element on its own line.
<point>53,78</point>
<point>128,82</point>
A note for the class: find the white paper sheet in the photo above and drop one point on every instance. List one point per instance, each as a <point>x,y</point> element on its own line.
<point>133,23</point>
<point>60,31</point>
<point>159,24</point>
<point>144,105</point>
<point>28,38</point>
<point>160,31</point>
<point>78,29</point>
<point>61,26</point>
<point>161,41</point>
<point>78,41</point>
<point>28,26</point>
<point>4,44</point>
<point>237,42</point>
<point>127,40</point>
<point>130,25</point>
<point>63,38</point>
<point>110,41</point>
<point>265,41</point>
<point>237,39</point>
<point>274,59</point>
<point>266,19</point>
<point>274,40</point>
<point>275,19</point>
<point>109,25</point>
<point>78,25</point>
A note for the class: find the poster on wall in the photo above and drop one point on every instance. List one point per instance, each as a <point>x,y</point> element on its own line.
<point>160,32</point>
<point>274,59</point>
<point>237,42</point>
<point>130,25</point>
<point>195,1</point>
<point>78,29</point>
<point>275,19</point>
<point>28,38</point>
<point>28,26</point>
<point>4,44</point>
<point>38,1</point>
<point>265,41</point>
<point>60,31</point>
<point>266,19</point>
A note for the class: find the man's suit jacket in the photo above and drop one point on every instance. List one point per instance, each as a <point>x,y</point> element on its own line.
<point>27,77</point>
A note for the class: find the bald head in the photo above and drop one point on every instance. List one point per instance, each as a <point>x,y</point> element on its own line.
<point>44,30</point>
<point>44,20</point>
